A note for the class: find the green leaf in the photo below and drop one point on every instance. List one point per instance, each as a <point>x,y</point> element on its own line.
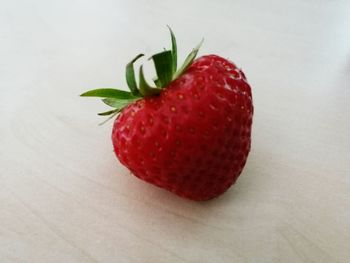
<point>108,112</point>
<point>164,67</point>
<point>145,89</point>
<point>108,93</point>
<point>115,112</point>
<point>188,61</point>
<point>173,50</point>
<point>130,76</point>
<point>157,82</point>
<point>117,103</point>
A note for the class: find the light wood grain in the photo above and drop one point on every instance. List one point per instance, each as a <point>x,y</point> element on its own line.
<point>65,198</point>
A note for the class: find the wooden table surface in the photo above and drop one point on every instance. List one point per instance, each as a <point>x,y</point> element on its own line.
<point>65,198</point>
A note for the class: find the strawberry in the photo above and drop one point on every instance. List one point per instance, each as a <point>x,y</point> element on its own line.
<point>191,133</point>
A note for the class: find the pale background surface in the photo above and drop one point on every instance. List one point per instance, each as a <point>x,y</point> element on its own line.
<point>65,198</point>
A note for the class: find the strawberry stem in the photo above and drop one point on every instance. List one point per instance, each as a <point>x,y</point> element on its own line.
<point>165,63</point>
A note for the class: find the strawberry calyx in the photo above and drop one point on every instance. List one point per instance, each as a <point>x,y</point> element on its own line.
<point>165,63</point>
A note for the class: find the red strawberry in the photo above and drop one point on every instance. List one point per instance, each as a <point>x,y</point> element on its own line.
<point>191,133</point>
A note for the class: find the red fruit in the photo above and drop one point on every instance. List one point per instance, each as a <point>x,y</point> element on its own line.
<point>193,138</point>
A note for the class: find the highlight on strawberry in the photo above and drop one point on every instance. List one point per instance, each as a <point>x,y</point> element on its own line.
<point>190,131</point>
